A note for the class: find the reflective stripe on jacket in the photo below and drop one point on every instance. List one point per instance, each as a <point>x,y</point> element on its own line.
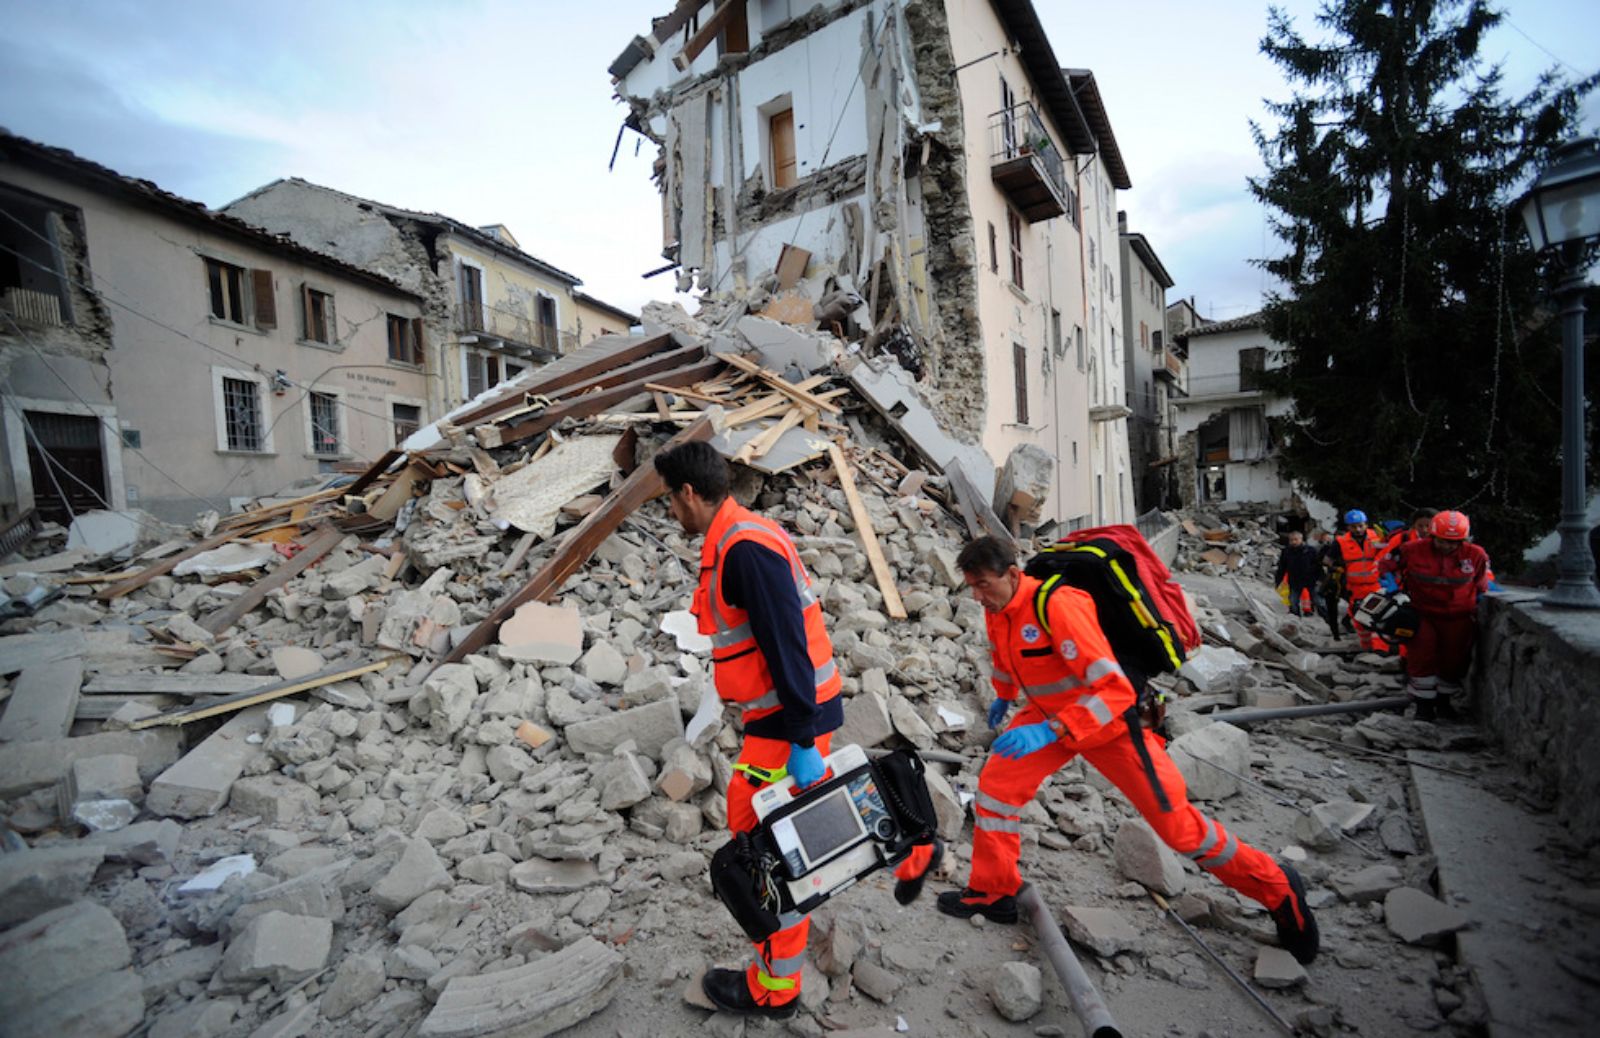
<point>738,667</point>
<point>1360,562</point>
<point>1069,672</point>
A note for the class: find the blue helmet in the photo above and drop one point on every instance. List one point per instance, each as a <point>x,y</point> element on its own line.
<point>1355,515</point>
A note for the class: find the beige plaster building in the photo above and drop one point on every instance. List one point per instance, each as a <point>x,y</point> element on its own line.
<point>936,149</point>
<point>1152,367</point>
<point>161,356</point>
<point>492,309</point>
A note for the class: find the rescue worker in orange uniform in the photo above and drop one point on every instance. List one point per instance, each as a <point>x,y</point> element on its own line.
<point>1076,701</point>
<point>1444,575</point>
<point>1358,547</point>
<point>772,656</point>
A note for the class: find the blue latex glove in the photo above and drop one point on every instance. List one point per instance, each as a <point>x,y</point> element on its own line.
<point>1388,582</point>
<point>805,765</point>
<point>997,712</point>
<point>1017,743</point>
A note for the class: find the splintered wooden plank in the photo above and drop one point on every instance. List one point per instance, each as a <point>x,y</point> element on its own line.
<point>762,445</point>
<point>186,685</point>
<point>777,382</point>
<point>162,568</point>
<point>336,673</point>
<point>579,372</point>
<point>591,404</point>
<point>579,543</point>
<point>375,470</point>
<point>869,537</point>
<point>319,545</point>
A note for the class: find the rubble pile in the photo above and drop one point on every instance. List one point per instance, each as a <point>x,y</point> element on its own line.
<point>1243,543</point>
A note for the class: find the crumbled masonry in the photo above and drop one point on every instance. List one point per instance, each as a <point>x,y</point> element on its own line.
<point>505,828</point>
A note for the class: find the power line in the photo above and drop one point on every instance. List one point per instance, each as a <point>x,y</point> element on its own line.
<point>1552,54</point>
<point>50,459</point>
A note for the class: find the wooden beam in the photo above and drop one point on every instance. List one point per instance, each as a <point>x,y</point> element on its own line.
<point>579,543</point>
<point>376,469</point>
<point>708,32</point>
<point>760,445</point>
<point>869,537</point>
<point>336,673</point>
<point>186,685</point>
<point>257,515</point>
<point>580,372</point>
<point>591,404</point>
<point>322,542</point>
<point>162,568</point>
<point>629,373</point>
<point>776,381</point>
<point>677,19</point>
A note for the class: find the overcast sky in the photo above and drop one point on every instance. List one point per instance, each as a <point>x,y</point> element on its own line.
<point>495,111</point>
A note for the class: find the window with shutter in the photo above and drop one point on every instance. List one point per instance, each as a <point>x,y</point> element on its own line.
<point>324,424</point>
<point>785,172</point>
<point>1019,365</point>
<point>317,309</point>
<point>227,284</point>
<point>266,300</point>
<point>1014,223</point>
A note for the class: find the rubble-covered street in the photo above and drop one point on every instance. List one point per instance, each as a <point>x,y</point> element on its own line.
<point>427,754</point>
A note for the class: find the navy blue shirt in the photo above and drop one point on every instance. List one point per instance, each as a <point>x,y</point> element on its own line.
<point>758,580</point>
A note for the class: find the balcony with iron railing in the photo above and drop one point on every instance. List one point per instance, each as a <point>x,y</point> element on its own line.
<point>517,332</point>
<point>1025,163</point>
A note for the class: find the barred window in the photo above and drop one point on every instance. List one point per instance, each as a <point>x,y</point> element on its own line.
<point>324,423</point>
<point>241,408</point>
<point>407,419</point>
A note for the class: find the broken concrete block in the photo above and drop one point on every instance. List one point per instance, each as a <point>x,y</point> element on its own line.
<point>650,726</point>
<point>866,721</point>
<point>603,665</point>
<point>276,798</point>
<point>1220,744</point>
<point>1372,883</point>
<point>545,996</point>
<point>623,784</point>
<point>358,980</point>
<point>60,949</point>
<point>101,816</point>
<point>1415,918</point>
<point>540,633</point>
<point>1143,858</point>
<point>441,824</point>
<point>910,724</point>
<point>1104,931</point>
<point>418,871</point>
<point>1017,990</point>
<point>541,876</point>
<point>1397,836</point>
<point>945,569</point>
<point>1322,825</point>
<point>43,701</point>
<point>1212,669</point>
<point>200,783</point>
<point>203,1018</point>
<point>447,698</point>
<point>143,843</point>
<point>114,776</point>
<point>1025,482</point>
<point>41,878</point>
<point>949,814</point>
<point>194,964</point>
<point>1277,970</point>
<point>278,948</point>
<point>491,869</point>
<point>292,662</point>
<point>683,771</point>
<point>874,981</point>
<point>107,1006</point>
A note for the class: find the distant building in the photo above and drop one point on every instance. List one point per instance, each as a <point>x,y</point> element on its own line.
<point>939,161</point>
<point>159,355</point>
<point>1152,368</point>
<point>493,310</point>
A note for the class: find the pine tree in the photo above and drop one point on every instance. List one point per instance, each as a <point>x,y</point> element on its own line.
<point>1420,348</point>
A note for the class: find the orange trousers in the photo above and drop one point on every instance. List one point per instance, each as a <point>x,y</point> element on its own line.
<point>1006,786</point>
<point>774,978</point>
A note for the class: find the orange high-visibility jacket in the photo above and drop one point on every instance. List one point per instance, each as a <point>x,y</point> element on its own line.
<point>1069,671</point>
<point>737,665</point>
<point>1360,563</point>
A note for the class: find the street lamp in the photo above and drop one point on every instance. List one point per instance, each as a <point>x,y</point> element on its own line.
<point>1562,211</point>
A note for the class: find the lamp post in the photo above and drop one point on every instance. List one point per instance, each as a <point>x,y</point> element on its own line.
<point>1562,211</point>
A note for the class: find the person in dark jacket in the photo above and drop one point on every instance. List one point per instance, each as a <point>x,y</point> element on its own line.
<point>1331,586</point>
<point>1302,565</point>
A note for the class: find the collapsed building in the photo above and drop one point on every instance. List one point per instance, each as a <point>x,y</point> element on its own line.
<point>934,165</point>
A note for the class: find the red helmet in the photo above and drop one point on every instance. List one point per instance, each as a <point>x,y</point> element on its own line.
<point>1450,526</point>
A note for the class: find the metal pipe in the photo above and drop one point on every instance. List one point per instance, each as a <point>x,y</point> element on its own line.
<point>1086,1001</point>
<point>1277,1018</point>
<point>1361,706</point>
<point>1574,587</point>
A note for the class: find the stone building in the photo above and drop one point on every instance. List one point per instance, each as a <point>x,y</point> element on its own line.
<point>1152,368</point>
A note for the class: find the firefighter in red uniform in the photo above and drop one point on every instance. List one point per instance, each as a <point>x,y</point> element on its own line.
<point>1358,547</point>
<point>771,655</point>
<point>1444,575</point>
<point>1076,700</point>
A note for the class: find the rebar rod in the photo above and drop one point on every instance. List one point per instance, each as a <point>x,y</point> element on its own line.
<point>1244,985</point>
<point>1086,1001</point>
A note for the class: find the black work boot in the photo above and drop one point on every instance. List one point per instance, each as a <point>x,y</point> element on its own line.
<point>729,992</point>
<point>1427,709</point>
<point>964,904</point>
<point>1444,708</point>
<point>908,890</point>
<point>1297,928</point>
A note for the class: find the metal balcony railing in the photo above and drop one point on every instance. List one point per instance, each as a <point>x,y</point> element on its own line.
<point>1026,164</point>
<point>518,331</point>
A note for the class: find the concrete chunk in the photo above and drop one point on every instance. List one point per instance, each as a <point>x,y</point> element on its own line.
<point>43,702</point>
<point>26,766</point>
<point>276,798</point>
<point>1143,858</point>
<point>143,843</point>
<point>1221,744</point>
<point>279,948</point>
<point>200,783</point>
<point>683,771</point>
<point>1017,990</point>
<point>417,872</point>
<point>866,721</point>
<point>540,633</point>
<point>1416,918</point>
<point>108,1006</point>
<point>1104,931</point>
<point>1369,884</point>
<point>358,980</point>
<point>293,662</point>
<point>58,950</point>
<point>163,976</point>
<point>114,776</point>
<point>650,726</point>
<point>539,876</point>
<point>1277,970</point>
<point>41,878</point>
<point>541,998</point>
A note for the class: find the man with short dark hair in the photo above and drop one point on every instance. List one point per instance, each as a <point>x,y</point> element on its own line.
<point>1077,701</point>
<point>771,654</point>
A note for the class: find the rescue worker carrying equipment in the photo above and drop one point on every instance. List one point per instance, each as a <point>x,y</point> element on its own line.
<point>771,655</point>
<point>1075,701</point>
<point>1358,549</point>
<point>1444,574</point>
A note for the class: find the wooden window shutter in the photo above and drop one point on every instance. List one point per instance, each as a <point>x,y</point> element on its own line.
<point>305,311</point>
<point>329,324</point>
<point>417,353</point>
<point>784,168</point>
<point>266,301</point>
<point>1019,362</point>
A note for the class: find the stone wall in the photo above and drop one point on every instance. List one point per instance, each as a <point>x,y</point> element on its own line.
<point>1536,688</point>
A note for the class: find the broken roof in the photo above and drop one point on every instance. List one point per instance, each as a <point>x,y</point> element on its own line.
<point>1087,92</point>
<point>481,237</point>
<point>71,166</point>
<point>1233,325</point>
